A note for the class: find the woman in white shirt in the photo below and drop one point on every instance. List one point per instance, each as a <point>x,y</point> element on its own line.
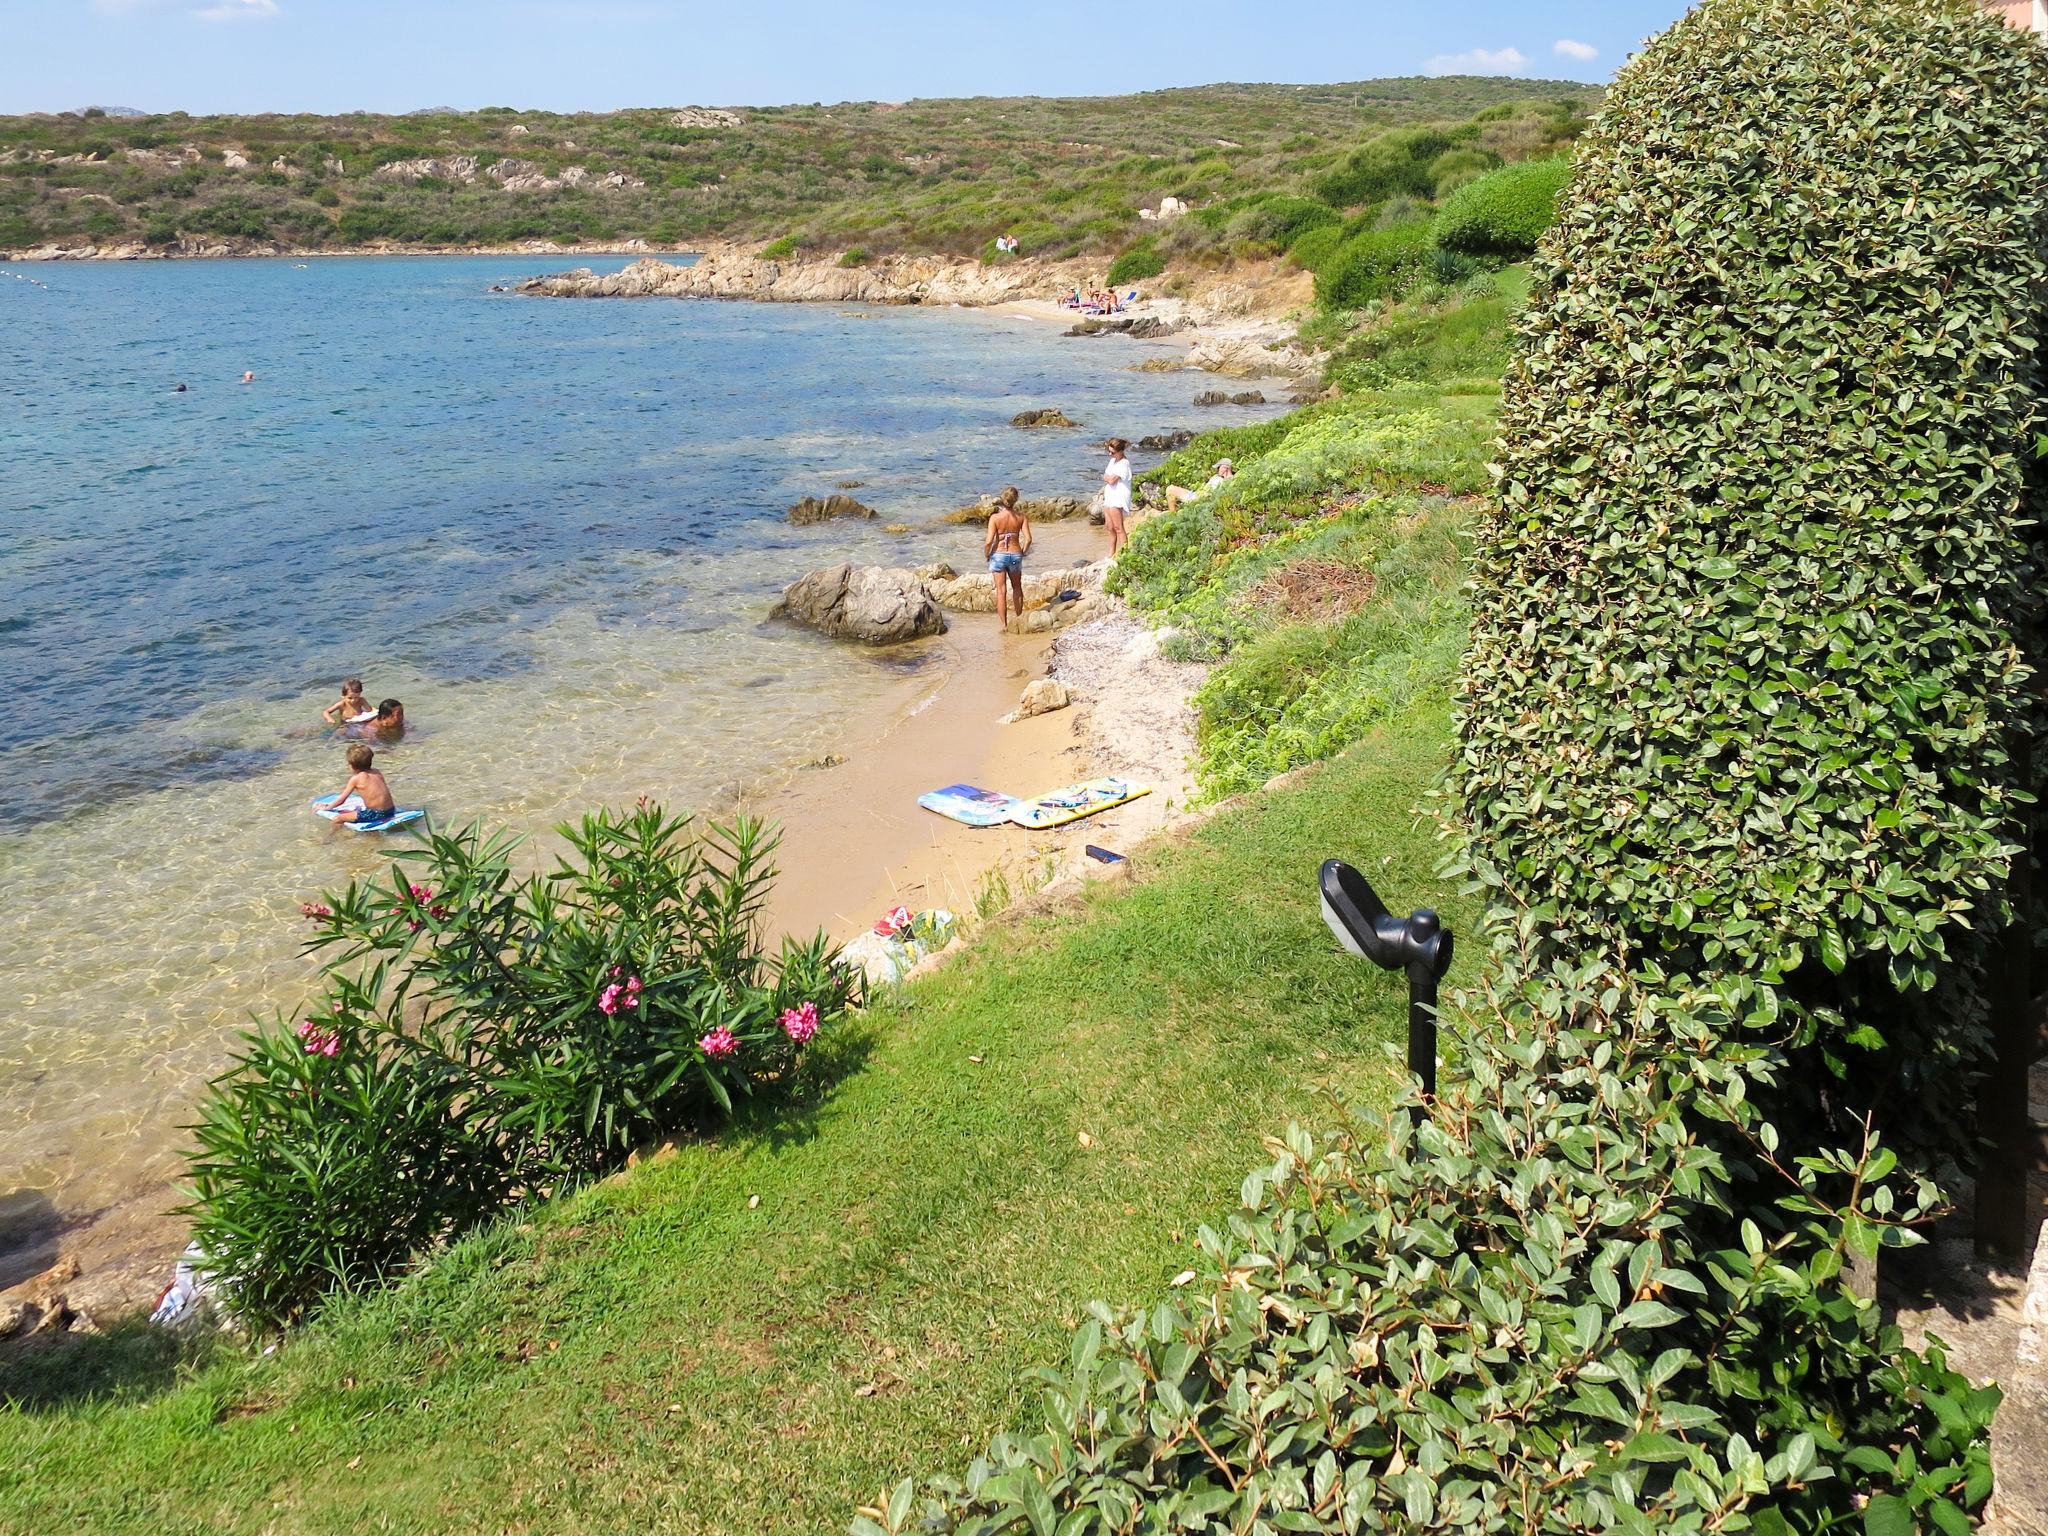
<point>1116,494</point>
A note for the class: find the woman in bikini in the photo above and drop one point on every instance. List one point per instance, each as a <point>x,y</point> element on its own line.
<point>1006,543</point>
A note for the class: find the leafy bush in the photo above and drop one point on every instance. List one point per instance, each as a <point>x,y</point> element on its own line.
<point>854,256</point>
<point>1385,167</point>
<point>1455,167</point>
<point>1137,263</point>
<point>1278,219</point>
<point>1505,213</point>
<point>779,250</point>
<point>1313,250</point>
<point>1373,264</point>
<point>484,1036</point>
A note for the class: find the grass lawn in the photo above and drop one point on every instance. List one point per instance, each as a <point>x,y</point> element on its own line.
<point>657,1354</point>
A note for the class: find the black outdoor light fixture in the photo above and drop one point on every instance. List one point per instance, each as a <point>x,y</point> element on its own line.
<point>1418,944</point>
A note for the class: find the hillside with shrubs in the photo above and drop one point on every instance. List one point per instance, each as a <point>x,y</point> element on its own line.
<point>1064,176</point>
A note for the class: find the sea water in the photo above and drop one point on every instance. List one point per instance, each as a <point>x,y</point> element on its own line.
<point>551,528</point>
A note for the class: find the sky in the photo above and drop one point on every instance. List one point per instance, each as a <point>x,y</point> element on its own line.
<point>592,55</point>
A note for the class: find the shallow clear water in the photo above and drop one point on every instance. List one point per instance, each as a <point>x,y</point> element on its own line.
<point>552,528</point>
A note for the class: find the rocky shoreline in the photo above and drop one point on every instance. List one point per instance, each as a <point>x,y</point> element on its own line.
<point>1237,322</point>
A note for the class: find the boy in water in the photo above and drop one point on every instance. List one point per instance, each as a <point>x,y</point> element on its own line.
<point>349,705</point>
<point>1006,543</point>
<point>368,785</point>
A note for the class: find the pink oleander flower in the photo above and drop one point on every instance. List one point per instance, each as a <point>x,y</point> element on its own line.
<point>319,1040</point>
<point>800,1024</point>
<point>608,999</point>
<point>719,1042</point>
<point>315,909</point>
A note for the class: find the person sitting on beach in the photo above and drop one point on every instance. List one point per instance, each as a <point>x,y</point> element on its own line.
<point>350,706</point>
<point>1005,544</point>
<point>1073,298</point>
<point>1116,494</point>
<point>1179,495</point>
<point>368,786</point>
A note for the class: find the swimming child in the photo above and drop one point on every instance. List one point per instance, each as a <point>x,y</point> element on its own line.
<point>368,785</point>
<point>1005,544</point>
<point>389,724</point>
<point>350,707</point>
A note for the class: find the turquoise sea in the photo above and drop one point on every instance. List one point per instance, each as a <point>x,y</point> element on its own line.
<point>552,528</point>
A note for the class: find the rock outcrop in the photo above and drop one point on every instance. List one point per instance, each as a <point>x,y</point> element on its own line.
<point>1046,509</point>
<point>510,173</point>
<point>814,510</point>
<point>868,603</point>
<point>1212,397</point>
<point>1049,416</point>
<point>976,591</point>
<point>1167,442</point>
<point>1041,697</point>
<point>740,272</point>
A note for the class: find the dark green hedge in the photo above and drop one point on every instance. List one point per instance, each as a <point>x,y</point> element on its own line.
<point>1747,665</point>
<point>1504,213</point>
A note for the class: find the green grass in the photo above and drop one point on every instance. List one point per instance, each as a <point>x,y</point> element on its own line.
<point>655,1355</point>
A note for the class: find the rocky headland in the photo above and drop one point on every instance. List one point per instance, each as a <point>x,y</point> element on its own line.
<point>1237,322</point>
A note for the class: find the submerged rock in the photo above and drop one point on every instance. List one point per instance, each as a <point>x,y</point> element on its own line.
<point>1167,442</point>
<point>812,510</point>
<point>1212,397</point>
<point>869,603</point>
<point>1248,397</point>
<point>1049,416</point>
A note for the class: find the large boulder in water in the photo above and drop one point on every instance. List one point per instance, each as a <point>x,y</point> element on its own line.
<point>1050,416</point>
<point>813,510</point>
<point>868,603</point>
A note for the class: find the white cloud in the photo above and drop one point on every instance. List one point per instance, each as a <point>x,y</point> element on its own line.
<point>1585,53</point>
<point>238,10</point>
<point>1477,61</point>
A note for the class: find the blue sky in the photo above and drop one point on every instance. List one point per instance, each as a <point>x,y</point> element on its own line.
<point>396,55</point>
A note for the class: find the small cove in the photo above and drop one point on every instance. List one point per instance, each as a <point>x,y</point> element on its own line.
<point>551,528</point>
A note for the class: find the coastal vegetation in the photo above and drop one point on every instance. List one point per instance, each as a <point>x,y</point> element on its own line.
<point>1745,757</point>
<point>1065,176</point>
<point>746,1334</point>
<point>482,1038</point>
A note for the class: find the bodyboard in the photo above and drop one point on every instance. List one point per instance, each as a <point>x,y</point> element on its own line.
<point>969,806</point>
<point>326,806</point>
<point>1073,801</point>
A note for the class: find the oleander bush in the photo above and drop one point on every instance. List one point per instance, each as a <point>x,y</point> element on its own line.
<point>1745,729</point>
<point>1136,263</point>
<point>483,1037</point>
<point>1503,214</point>
<point>780,249</point>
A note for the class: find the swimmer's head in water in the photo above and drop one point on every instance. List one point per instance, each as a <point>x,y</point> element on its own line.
<point>360,757</point>
<point>352,686</point>
<point>390,711</point>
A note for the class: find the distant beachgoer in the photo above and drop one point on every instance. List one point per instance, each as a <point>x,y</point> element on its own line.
<point>179,390</point>
<point>367,785</point>
<point>1005,544</point>
<point>249,376</point>
<point>1116,494</point>
<point>350,706</point>
<point>1179,495</point>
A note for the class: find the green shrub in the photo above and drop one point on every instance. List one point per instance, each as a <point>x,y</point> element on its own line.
<point>161,229</point>
<point>1312,250</point>
<point>1455,167</point>
<point>855,256</point>
<point>1278,219</point>
<point>1137,263</point>
<point>1503,214</point>
<point>779,250</point>
<point>1392,164</point>
<point>1373,264</point>
<point>484,1036</point>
